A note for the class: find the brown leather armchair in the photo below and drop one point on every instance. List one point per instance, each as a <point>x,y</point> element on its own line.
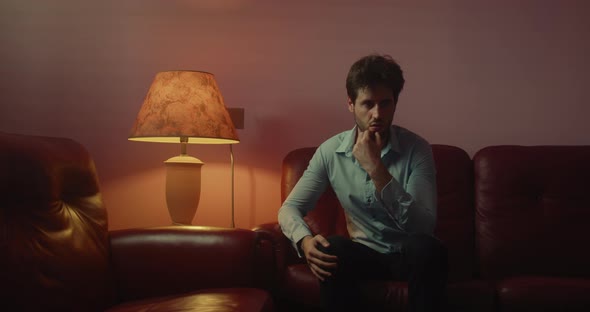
<point>56,253</point>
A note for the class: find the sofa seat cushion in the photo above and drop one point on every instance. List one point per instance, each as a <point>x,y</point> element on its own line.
<point>302,286</point>
<point>474,295</point>
<point>212,300</point>
<point>536,293</point>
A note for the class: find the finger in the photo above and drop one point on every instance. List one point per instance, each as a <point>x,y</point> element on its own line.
<point>316,254</point>
<point>371,135</point>
<point>319,272</point>
<point>362,135</point>
<point>378,138</point>
<point>322,240</point>
<point>323,264</point>
<point>368,134</point>
<point>321,278</point>
<point>322,258</point>
<point>317,275</point>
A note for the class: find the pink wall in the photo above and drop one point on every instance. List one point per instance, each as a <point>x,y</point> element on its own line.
<point>496,72</point>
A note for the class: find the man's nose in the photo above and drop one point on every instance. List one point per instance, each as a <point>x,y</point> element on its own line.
<point>376,111</point>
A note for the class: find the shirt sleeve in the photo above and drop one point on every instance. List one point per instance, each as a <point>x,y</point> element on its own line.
<point>413,206</point>
<point>302,199</point>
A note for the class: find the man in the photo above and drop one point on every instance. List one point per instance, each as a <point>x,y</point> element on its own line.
<point>384,178</point>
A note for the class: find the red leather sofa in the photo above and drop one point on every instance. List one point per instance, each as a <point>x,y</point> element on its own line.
<point>514,219</point>
<point>56,253</point>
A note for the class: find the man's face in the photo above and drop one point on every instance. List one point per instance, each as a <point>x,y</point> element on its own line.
<point>374,109</point>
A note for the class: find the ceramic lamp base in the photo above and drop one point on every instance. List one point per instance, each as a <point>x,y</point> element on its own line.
<point>183,188</point>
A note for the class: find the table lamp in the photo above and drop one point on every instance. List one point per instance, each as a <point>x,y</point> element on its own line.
<point>184,107</point>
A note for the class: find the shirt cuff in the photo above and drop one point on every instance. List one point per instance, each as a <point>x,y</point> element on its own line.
<point>298,235</point>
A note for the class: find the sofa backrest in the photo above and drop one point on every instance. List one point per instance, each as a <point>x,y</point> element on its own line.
<point>455,214</point>
<point>53,225</point>
<point>533,210</point>
<point>455,220</point>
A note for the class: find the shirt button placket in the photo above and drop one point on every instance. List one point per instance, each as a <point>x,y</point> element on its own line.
<point>369,197</point>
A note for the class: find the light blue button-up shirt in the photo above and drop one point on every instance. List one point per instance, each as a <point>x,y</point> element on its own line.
<point>376,219</point>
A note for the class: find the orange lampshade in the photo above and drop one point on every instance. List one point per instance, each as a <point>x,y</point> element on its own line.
<point>184,104</point>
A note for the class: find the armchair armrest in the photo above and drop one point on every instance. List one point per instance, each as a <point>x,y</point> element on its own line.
<point>284,253</point>
<point>168,260</point>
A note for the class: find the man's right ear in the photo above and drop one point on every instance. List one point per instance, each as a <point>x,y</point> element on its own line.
<point>350,105</point>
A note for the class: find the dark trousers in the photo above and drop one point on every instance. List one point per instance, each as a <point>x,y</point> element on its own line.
<point>422,262</point>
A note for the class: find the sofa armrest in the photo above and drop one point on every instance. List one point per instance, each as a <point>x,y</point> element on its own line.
<point>284,253</point>
<point>168,260</point>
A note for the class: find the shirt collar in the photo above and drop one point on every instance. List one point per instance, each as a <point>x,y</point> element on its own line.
<point>348,142</point>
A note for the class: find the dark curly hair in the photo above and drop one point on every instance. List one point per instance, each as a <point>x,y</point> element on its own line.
<point>373,70</point>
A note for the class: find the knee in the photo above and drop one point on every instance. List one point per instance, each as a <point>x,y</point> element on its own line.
<point>337,245</point>
<point>425,249</point>
<point>340,247</point>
